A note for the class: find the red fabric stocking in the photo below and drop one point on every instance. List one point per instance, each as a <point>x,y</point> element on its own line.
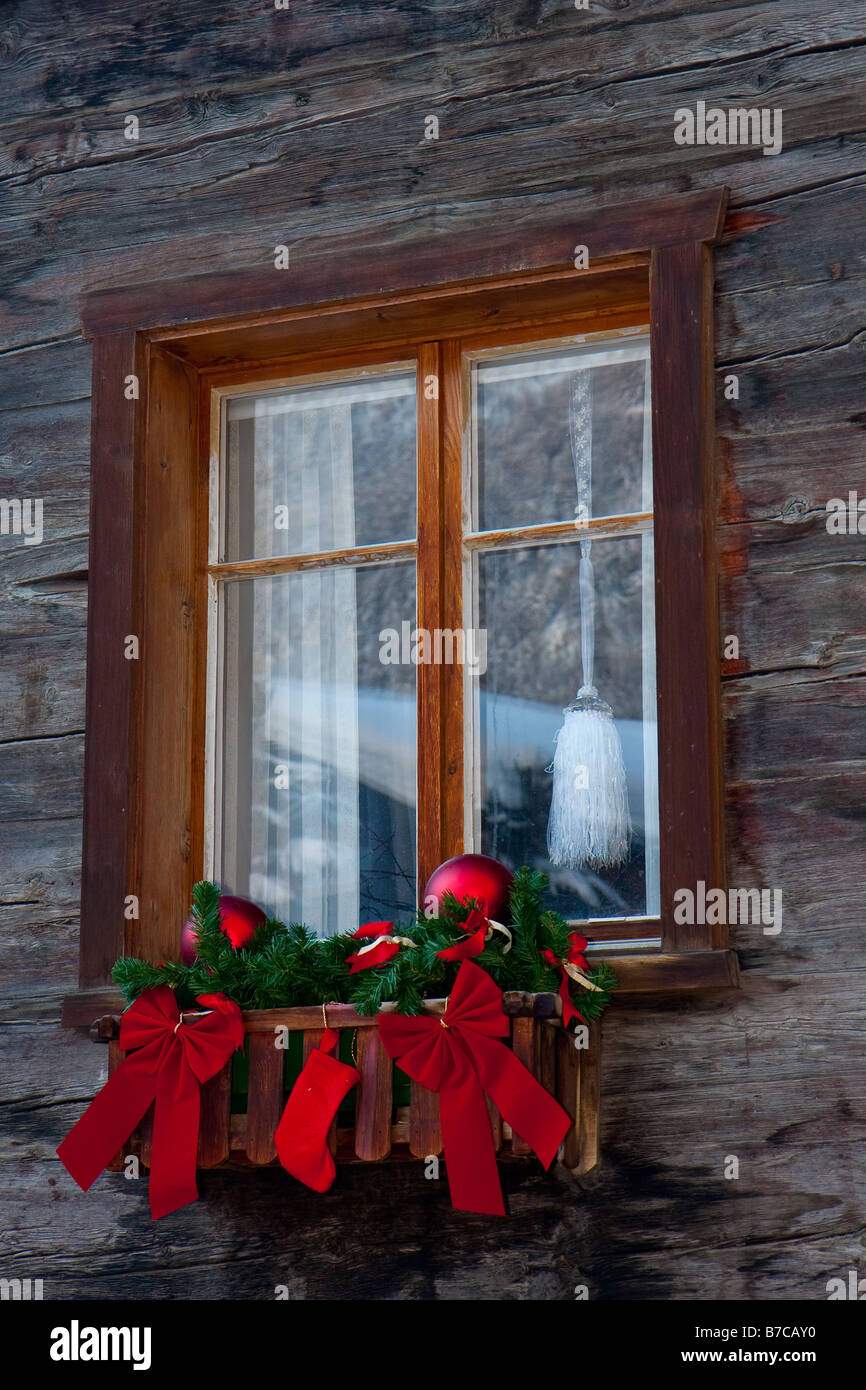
<point>302,1134</point>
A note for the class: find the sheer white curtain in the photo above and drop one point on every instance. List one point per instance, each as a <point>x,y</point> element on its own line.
<point>308,818</point>
<point>650,704</point>
<point>304,851</point>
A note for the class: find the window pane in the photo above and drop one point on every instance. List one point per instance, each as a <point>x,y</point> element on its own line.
<point>317,818</point>
<point>533,413</point>
<point>528,602</point>
<point>320,467</point>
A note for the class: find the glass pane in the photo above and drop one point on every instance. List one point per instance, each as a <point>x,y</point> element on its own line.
<point>537,416</point>
<point>528,602</point>
<point>318,798</point>
<point>320,467</point>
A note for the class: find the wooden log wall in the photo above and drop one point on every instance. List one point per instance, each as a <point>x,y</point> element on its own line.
<point>260,127</point>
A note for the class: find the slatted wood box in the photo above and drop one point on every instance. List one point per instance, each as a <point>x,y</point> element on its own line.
<point>381,1130</point>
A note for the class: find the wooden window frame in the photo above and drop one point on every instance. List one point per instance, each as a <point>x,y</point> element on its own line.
<point>151,454</point>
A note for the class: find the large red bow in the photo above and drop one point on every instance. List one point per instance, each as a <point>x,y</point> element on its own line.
<point>171,1060</point>
<point>459,1056</point>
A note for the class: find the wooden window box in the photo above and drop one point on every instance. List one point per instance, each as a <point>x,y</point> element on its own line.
<point>380,1129</point>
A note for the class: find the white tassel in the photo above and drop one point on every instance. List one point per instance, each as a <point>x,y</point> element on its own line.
<point>589,824</point>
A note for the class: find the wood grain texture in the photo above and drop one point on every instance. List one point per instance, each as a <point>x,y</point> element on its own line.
<point>168,751</point>
<point>608,231</point>
<point>112,678</point>
<point>292,564</point>
<point>579,1092</point>
<point>373,1098</point>
<point>546,1060</point>
<point>265,1099</point>
<point>429,583</point>
<point>687,636</point>
<point>214,1116</point>
<point>568,1074</point>
<point>524,1044</point>
<point>425,1132</point>
<point>455,415</point>
<point>606,297</point>
<point>589,1113</point>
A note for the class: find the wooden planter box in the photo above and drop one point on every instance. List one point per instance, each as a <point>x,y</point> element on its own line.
<point>380,1129</point>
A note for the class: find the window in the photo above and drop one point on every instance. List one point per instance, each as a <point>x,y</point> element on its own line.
<point>313,461</point>
<point>313,708</point>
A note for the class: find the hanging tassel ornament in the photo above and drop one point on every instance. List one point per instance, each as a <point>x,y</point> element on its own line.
<point>589,824</point>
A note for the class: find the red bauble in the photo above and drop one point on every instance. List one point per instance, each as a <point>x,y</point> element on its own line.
<point>240,918</point>
<point>188,940</point>
<point>475,876</point>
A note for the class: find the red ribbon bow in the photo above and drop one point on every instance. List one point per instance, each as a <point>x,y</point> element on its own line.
<point>459,1056</point>
<point>374,954</point>
<point>477,925</point>
<point>577,945</point>
<point>171,1060</point>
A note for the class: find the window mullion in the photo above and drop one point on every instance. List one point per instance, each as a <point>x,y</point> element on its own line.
<point>454,749</point>
<point>429,611</point>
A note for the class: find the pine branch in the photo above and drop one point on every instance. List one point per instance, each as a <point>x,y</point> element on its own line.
<point>284,966</point>
<point>135,976</point>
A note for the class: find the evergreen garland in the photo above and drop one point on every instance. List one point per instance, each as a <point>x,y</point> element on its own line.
<point>283,966</point>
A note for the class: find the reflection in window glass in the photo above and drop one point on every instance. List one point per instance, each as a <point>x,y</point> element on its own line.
<point>321,467</point>
<point>524,472</point>
<point>559,435</point>
<point>528,604</point>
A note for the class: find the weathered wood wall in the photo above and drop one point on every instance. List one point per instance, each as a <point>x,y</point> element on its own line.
<point>260,126</point>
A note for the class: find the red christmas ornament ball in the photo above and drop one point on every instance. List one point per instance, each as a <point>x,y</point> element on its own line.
<point>188,941</point>
<point>239,917</point>
<point>475,876</point>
